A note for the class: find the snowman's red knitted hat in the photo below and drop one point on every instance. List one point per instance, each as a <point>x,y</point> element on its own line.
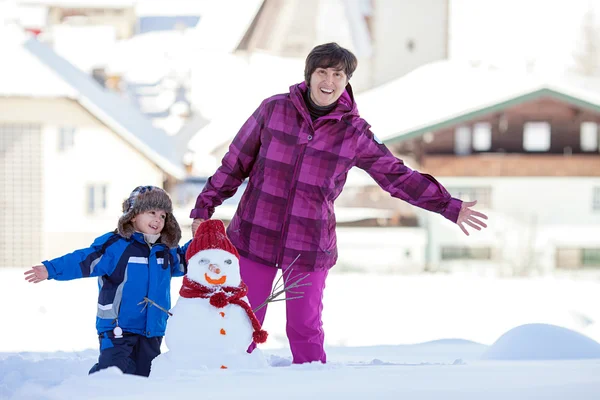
<point>210,235</point>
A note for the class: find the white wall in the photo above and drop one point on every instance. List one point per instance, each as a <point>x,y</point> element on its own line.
<point>398,21</point>
<point>551,200</point>
<point>384,250</point>
<point>530,218</point>
<point>99,156</point>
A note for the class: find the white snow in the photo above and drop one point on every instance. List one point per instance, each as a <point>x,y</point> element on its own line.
<point>421,337</point>
<point>84,3</point>
<point>224,34</point>
<point>259,75</point>
<point>542,342</point>
<point>25,74</point>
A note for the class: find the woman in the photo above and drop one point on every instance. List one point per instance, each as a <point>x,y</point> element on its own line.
<point>296,149</point>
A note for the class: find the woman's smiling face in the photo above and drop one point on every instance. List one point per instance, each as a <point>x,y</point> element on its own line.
<point>327,85</point>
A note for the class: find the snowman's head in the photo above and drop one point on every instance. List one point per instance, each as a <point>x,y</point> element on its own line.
<point>214,267</point>
<point>212,259</point>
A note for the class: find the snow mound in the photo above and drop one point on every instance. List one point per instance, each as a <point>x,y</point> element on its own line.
<point>542,342</point>
<point>448,342</point>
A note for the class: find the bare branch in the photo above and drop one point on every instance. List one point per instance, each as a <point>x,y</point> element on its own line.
<point>280,288</point>
<point>147,301</point>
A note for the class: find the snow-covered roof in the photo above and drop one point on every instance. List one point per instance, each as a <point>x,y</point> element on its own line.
<point>445,93</point>
<point>224,23</point>
<point>23,74</point>
<point>229,102</point>
<point>32,69</point>
<point>146,58</point>
<point>83,3</point>
<point>171,8</point>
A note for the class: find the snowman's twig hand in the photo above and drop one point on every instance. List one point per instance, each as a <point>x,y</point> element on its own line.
<point>280,288</point>
<point>286,299</point>
<point>148,301</point>
<point>279,284</point>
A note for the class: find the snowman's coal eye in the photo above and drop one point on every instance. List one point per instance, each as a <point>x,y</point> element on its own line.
<point>204,261</point>
<point>228,261</point>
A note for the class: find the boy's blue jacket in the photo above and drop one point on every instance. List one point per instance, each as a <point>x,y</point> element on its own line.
<point>128,270</point>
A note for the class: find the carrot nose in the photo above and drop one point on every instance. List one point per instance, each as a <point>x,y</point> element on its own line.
<point>214,268</point>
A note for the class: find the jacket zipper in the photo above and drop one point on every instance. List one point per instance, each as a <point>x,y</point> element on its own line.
<point>284,229</point>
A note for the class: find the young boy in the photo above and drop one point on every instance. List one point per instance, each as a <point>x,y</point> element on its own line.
<point>133,263</point>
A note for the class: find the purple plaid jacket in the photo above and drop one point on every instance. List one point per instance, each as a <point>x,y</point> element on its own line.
<point>296,170</point>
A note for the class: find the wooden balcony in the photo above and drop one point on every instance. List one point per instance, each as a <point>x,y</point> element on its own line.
<point>512,165</point>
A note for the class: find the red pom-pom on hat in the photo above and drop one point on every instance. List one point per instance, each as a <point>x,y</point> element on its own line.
<point>210,235</point>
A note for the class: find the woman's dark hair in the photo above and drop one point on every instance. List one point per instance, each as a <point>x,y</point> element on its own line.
<point>329,55</point>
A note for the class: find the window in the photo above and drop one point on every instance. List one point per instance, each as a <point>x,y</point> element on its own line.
<point>589,136</point>
<point>596,199</point>
<point>482,136</point>
<point>567,258</point>
<point>575,258</point>
<point>466,253</point>
<point>462,140</point>
<point>66,138</point>
<point>483,195</point>
<point>590,257</point>
<point>96,198</point>
<point>536,136</point>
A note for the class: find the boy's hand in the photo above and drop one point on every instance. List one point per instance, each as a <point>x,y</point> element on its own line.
<point>195,225</point>
<point>36,274</point>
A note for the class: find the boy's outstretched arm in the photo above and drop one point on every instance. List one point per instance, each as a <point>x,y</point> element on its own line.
<point>36,274</point>
<point>92,261</point>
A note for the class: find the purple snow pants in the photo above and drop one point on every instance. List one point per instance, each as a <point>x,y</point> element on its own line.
<point>304,326</point>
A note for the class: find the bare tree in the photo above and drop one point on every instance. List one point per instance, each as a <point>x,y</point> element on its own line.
<point>587,56</point>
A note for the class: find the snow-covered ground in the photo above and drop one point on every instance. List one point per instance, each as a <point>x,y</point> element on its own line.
<point>388,337</point>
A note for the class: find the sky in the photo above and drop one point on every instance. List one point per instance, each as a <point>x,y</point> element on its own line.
<point>510,33</point>
<point>387,337</point>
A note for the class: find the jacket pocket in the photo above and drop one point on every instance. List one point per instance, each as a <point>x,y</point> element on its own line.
<point>328,240</point>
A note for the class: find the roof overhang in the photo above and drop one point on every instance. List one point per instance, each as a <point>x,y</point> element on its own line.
<point>500,106</point>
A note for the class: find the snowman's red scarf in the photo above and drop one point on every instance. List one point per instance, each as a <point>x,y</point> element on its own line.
<point>222,296</point>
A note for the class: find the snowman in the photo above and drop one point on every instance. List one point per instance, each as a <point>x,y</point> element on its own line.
<point>212,323</point>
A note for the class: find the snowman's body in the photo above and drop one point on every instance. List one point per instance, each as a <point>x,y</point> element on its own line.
<point>224,330</point>
<point>200,335</point>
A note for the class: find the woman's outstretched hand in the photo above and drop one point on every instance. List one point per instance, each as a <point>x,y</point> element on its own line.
<point>195,224</point>
<point>470,217</point>
<point>36,274</point>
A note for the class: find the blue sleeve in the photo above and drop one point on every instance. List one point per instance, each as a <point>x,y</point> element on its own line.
<point>82,263</point>
<point>180,267</point>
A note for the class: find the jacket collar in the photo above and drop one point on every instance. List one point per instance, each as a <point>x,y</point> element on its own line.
<point>139,237</point>
<point>345,104</point>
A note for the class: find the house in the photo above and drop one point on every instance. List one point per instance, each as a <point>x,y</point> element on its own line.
<point>389,37</point>
<point>71,153</point>
<point>527,149</point>
<point>40,16</point>
<point>174,61</point>
<point>83,32</point>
